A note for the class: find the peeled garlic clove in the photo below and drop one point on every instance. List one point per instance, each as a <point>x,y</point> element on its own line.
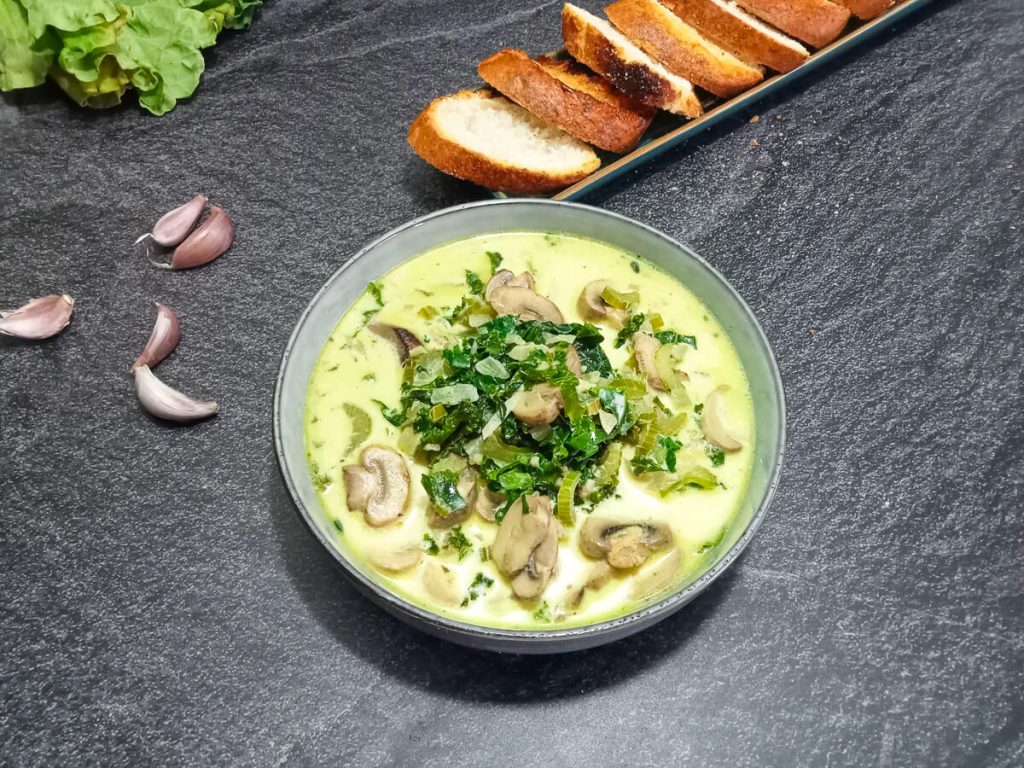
<point>166,403</point>
<point>39,319</point>
<point>163,340</point>
<point>210,240</point>
<point>175,225</point>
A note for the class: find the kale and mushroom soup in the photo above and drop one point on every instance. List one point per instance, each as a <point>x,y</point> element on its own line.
<point>529,430</point>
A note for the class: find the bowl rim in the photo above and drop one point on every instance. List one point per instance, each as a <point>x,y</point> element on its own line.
<point>459,630</point>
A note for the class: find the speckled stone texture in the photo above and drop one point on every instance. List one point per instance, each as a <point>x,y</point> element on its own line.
<point>162,603</point>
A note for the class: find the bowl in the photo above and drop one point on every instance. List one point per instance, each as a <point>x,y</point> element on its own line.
<point>494,216</point>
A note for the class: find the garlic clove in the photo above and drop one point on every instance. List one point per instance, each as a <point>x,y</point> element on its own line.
<point>39,319</point>
<point>166,403</point>
<point>211,239</point>
<point>162,341</point>
<point>175,225</point>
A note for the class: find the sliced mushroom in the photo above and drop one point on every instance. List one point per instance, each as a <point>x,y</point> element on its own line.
<point>538,405</point>
<point>658,576</point>
<point>645,347</point>
<point>714,423</point>
<point>504,277</point>
<point>487,501</point>
<point>468,490</point>
<point>404,341</point>
<point>572,362</point>
<point>592,306</point>
<point>525,304</point>
<point>378,486</point>
<point>441,583</point>
<point>526,547</point>
<point>396,560</point>
<point>597,578</point>
<point>623,545</point>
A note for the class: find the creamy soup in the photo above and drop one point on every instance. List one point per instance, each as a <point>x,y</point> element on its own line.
<point>529,430</point>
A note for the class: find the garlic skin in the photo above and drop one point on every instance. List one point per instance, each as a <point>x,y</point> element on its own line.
<point>166,403</point>
<point>211,239</point>
<point>38,319</point>
<point>174,226</point>
<point>163,340</point>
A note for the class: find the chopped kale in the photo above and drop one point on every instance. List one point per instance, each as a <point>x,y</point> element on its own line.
<point>394,416</point>
<point>629,329</point>
<point>430,546</point>
<point>476,285</point>
<point>671,337</point>
<point>661,459</point>
<point>442,488</point>
<point>495,258</point>
<point>457,540</point>
<point>374,290</point>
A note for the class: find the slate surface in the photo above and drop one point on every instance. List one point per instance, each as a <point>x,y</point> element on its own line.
<point>163,604</point>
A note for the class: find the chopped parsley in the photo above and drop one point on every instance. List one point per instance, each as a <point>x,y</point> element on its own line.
<point>430,546</point>
<point>480,585</point>
<point>338,526</point>
<point>716,454</point>
<point>543,613</point>
<point>457,541</point>
<point>495,258</point>
<point>671,337</point>
<point>476,285</point>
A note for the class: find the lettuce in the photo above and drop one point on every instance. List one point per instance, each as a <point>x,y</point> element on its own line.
<point>96,49</point>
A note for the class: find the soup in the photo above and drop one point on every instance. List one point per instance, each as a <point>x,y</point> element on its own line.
<point>529,430</point>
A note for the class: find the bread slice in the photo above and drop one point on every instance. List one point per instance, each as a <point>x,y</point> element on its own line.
<point>866,9</point>
<point>816,22</point>
<point>743,35</point>
<point>681,48</point>
<point>579,102</point>
<point>597,44</point>
<point>482,137</point>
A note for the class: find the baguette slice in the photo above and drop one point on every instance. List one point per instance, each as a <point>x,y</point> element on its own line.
<point>681,48</point>
<point>746,36</point>
<point>866,9</point>
<point>484,138</point>
<point>580,103</point>
<point>816,22</point>
<point>597,44</point>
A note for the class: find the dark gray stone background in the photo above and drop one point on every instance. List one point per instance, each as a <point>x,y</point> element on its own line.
<point>162,603</point>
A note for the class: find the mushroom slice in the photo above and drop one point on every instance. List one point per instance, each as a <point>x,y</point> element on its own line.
<point>714,423</point>
<point>526,547</point>
<point>487,501</point>
<point>532,580</point>
<point>441,583</point>
<point>645,347</point>
<point>538,405</point>
<point>378,486</point>
<point>396,560</point>
<point>404,341</point>
<point>659,576</point>
<point>468,490</point>
<point>504,277</point>
<point>592,306</point>
<point>572,362</point>
<point>525,304</point>
<point>623,545</point>
<point>597,578</point>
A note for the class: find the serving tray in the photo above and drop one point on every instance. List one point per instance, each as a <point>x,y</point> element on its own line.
<point>668,130</point>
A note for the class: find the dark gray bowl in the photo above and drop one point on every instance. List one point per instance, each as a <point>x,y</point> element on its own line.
<point>491,216</point>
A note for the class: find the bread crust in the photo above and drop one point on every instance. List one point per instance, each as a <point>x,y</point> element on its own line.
<point>816,22</point>
<point>592,112</point>
<point>743,40</point>
<point>681,48</point>
<point>429,141</point>
<point>589,45</point>
<point>866,9</point>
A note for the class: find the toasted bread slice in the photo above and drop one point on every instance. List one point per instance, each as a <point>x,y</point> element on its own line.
<point>816,22</point>
<point>681,48</point>
<point>743,35</point>
<point>866,9</point>
<point>597,44</point>
<point>580,103</point>
<point>482,137</point>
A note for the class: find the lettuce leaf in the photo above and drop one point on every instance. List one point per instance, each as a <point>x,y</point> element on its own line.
<point>96,49</point>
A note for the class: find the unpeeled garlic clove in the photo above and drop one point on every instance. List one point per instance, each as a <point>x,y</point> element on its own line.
<point>211,239</point>
<point>166,403</point>
<point>175,225</point>
<point>39,319</point>
<point>162,341</point>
